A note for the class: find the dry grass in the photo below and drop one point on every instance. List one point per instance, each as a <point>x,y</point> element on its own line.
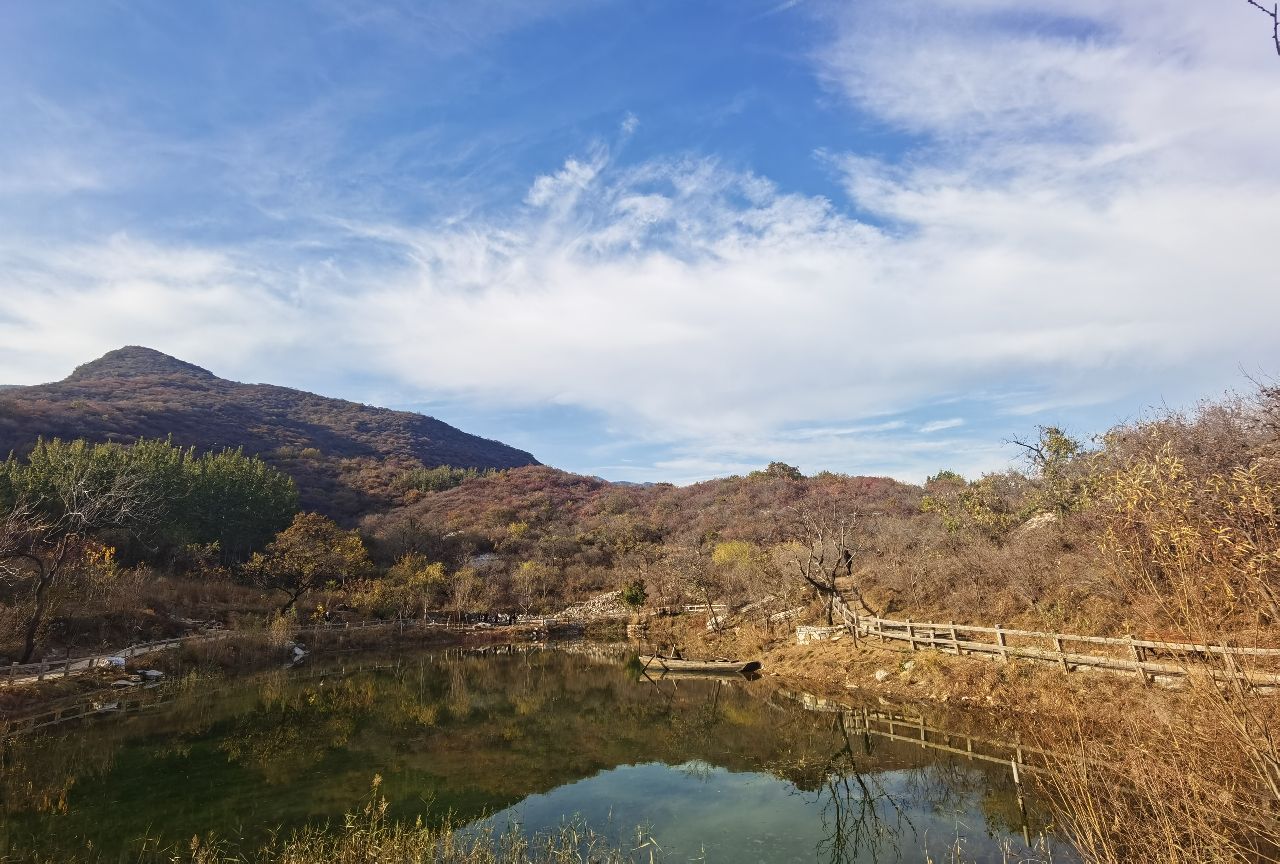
<point>1173,780</point>
<point>367,836</point>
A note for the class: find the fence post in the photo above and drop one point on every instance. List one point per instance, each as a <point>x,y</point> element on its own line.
<point>1139,654</point>
<point>1004,646</point>
<point>66,665</point>
<point>44,667</point>
<point>955,643</point>
<point>13,670</point>
<point>911,634</point>
<point>1062,657</point>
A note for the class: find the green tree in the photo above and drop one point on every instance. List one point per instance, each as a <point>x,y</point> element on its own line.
<point>779,469</point>
<point>634,593</point>
<point>311,552</point>
<point>412,584</point>
<point>238,502</point>
<point>1060,471</point>
<point>990,506</point>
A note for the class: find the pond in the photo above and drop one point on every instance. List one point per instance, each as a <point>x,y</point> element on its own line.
<point>716,770</point>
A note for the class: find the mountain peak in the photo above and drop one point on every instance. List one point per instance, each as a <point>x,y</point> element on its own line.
<point>348,459</point>
<point>136,361</point>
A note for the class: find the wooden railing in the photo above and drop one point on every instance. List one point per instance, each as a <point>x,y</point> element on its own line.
<point>1125,654</point>
<point>57,667</point>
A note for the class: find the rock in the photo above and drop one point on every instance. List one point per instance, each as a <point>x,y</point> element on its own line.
<point>806,635</point>
<point>124,684</point>
<point>114,662</point>
<point>882,674</point>
<point>151,674</point>
<point>1037,522</point>
<point>608,605</point>
<point>908,666</point>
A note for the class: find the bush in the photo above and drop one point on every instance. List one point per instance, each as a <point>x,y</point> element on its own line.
<point>634,593</point>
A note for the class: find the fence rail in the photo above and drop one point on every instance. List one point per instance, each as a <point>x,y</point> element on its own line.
<point>962,639</point>
<point>58,667</point>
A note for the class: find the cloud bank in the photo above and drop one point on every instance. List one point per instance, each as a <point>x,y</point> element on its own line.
<point>1080,222</point>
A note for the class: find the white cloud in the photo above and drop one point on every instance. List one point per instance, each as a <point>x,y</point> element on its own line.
<point>1087,220</point>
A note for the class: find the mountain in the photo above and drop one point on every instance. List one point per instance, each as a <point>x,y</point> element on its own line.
<point>345,457</point>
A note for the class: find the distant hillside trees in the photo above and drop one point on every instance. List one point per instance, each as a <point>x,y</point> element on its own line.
<point>437,479</point>
<point>69,504</point>
<point>223,500</point>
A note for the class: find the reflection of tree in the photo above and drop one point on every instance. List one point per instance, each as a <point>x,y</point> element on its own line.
<point>858,811</point>
<point>859,814</point>
<point>294,734</point>
<point>697,769</point>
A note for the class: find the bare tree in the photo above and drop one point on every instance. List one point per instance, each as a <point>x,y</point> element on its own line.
<point>1274,14</point>
<point>693,568</point>
<point>826,546</point>
<point>40,536</point>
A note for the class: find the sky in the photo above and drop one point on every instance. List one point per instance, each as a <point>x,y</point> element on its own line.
<point>657,240</point>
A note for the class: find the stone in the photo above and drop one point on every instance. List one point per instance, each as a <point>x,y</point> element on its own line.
<point>882,674</point>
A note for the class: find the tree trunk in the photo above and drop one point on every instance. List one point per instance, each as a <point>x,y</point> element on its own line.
<point>37,617</point>
<point>293,598</point>
<point>47,575</point>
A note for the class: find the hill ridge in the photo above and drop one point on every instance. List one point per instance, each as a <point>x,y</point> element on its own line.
<point>346,457</point>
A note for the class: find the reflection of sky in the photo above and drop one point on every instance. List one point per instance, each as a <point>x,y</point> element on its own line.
<point>696,810</point>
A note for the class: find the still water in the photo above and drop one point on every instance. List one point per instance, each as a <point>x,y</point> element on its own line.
<point>714,770</point>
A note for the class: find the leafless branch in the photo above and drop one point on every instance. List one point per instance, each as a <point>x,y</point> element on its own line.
<point>1274,14</point>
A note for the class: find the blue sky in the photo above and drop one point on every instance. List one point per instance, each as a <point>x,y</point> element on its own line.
<point>650,239</point>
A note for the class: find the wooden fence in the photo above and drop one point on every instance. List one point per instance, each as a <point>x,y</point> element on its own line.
<point>1127,654</point>
<point>57,667</point>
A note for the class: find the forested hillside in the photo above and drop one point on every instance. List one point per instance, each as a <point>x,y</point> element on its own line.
<point>345,457</point>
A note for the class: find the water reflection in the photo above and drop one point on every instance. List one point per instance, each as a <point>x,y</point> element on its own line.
<point>729,770</point>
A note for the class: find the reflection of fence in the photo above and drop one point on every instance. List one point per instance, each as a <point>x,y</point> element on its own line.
<point>1127,654</point>
<point>915,730</point>
<point>51,668</point>
<point>132,700</point>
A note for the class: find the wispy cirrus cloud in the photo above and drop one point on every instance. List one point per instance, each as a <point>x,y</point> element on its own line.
<point>1071,225</point>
